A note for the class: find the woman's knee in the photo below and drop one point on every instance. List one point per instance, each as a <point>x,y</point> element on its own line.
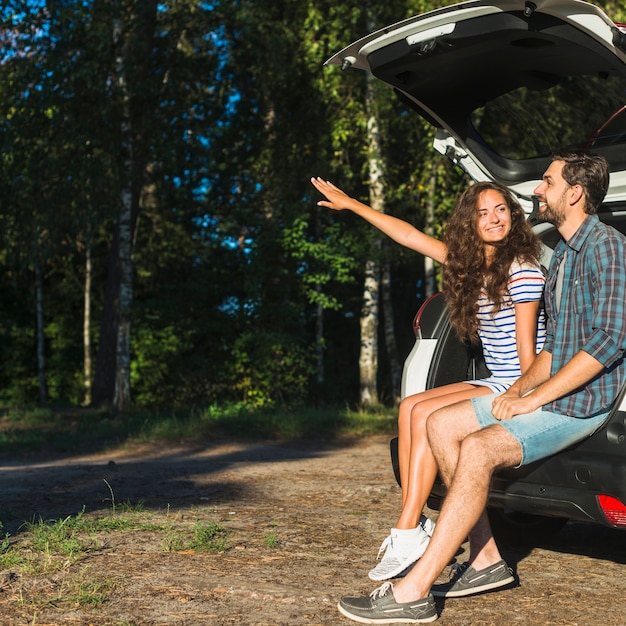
<point>419,419</point>
<point>405,409</point>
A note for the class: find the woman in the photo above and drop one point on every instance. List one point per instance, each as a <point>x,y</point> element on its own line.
<point>494,288</point>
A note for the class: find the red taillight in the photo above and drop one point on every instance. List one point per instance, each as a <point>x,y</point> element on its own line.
<point>614,510</point>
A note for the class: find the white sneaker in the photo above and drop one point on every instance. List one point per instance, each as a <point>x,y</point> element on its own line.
<point>402,550</point>
<point>428,525</point>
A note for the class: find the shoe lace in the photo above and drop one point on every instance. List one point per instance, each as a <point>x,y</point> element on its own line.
<point>379,592</point>
<point>388,542</point>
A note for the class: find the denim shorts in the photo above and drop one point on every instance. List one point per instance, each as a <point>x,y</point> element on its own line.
<point>540,433</point>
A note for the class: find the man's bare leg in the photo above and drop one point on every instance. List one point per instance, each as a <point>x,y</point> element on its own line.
<point>467,457</point>
<point>448,431</point>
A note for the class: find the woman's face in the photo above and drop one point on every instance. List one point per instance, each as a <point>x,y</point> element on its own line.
<point>493,221</point>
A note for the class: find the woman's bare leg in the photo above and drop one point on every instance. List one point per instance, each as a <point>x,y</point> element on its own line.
<point>418,468</point>
<point>408,540</point>
<point>404,438</point>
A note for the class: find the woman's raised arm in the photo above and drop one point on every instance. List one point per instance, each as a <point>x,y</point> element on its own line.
<point>400,231</point>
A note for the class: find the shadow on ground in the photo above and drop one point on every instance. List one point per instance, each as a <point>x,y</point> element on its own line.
<point>171,477</point>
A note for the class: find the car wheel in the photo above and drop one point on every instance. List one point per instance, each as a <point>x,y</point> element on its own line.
<point>513,527</point>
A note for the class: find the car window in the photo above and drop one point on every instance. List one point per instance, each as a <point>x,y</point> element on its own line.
<point>576,111</point>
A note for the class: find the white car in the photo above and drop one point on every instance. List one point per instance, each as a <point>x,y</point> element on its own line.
<point>506,84</point>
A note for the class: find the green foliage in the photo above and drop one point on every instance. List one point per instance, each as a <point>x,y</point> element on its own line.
<point>151,368</point>
<point>236,269</point>
<point>270,370</point>
<point>323,261</point>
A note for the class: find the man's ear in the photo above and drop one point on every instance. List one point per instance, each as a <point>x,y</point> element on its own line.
<point>577,194</point>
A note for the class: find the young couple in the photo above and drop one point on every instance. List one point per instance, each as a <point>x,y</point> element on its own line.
<point>549,386</point>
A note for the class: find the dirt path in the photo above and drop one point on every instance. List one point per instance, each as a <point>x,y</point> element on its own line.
<point>304,522</point>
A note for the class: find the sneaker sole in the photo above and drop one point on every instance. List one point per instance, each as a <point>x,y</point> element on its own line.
<point>470,591</point>
<point>386,620</point>
<point>399,569</point>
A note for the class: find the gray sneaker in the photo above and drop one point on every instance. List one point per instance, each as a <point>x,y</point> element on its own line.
<point>466,581</point>
<point>380,607</point>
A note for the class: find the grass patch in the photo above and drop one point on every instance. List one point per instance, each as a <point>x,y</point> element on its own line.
<point>86,591</point>
<point>205,537</point>
<point>57,550</point>
<point>299,423</point>
<point>270,539</point>
<point>58,431</point>
<point>47,546</point>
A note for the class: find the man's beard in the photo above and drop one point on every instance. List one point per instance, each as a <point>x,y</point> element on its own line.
<point>553,215</point>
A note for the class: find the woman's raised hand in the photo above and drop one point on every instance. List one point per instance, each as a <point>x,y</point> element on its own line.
<point>336,198</point>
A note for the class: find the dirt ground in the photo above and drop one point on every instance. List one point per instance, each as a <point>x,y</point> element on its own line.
<point>326,505</point>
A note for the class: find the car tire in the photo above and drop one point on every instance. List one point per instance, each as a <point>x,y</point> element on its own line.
<point>515,528</point>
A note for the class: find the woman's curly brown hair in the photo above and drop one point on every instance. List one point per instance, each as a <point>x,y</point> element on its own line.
<point>465,271</point>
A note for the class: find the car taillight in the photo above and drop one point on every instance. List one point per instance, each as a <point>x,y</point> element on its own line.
<point>614,510</point>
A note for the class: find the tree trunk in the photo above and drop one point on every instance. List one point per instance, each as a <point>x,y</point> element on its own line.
<point>87,323</point>
<point>41,353</point>
<point>319,340</point>
<point>121,397</point>
<point>104,380</point>
<point>134,47</point>
<point>368,359</point>
<point>390,333</point>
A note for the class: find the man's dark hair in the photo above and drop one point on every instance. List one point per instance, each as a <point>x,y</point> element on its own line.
<point>590,171</point>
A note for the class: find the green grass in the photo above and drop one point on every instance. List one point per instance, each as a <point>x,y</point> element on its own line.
<point>270,539</point>
<point>58,548</point>
<point>45,546</point>
<point>88,430</point>
<point>61,547</point>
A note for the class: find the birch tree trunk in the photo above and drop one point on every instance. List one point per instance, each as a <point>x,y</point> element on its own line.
<point>368,358</point>
<point>133,38</point>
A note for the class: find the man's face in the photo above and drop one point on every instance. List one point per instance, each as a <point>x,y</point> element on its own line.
<point>552,194</point>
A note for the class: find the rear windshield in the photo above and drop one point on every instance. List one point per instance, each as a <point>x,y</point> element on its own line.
<point>579,111</point>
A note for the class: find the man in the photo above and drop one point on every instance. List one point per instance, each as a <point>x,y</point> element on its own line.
<point>562,398</point>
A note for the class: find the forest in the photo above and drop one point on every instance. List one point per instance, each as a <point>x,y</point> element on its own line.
<point>162,246</point>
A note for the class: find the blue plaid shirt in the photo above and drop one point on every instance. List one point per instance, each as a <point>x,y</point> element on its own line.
<point>592,314</point>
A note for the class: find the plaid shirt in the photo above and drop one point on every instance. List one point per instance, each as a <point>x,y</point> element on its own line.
<point>592,315</point>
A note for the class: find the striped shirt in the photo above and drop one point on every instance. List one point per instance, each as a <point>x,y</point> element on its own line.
<point>497,331</point>
<point>592,315</point>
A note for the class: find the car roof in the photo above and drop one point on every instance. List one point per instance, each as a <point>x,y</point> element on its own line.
<point>507,84</point>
